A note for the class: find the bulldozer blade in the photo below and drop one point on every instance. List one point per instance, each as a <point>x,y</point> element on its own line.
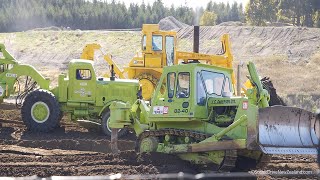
<point>288,130</point>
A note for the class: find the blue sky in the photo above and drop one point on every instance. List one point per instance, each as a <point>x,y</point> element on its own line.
<point>190,3</point>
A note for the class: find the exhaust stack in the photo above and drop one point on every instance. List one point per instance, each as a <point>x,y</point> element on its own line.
<point>112,77</point>
<point>196,34</point>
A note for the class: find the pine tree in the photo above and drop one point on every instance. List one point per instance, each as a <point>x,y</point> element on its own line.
<point>208,19</point>
<point>259,12</point>
<point>234,12</point>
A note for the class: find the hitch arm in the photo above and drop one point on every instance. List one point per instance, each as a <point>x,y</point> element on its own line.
<point>263,95</point>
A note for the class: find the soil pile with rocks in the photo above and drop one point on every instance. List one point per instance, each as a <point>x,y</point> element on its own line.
<point>171,23</point>
<point>293,43</point>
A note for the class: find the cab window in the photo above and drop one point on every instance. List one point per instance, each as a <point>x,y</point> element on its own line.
<point>183,85</point>
<point>171,78</point>
<point>157,43</point>
<point>169,50</point>
<point>201,93</point>
<point>144,42</point>
<point>163,90</point>
<point>213,82</point>
<point>83,74</point>
<point>226,87</point>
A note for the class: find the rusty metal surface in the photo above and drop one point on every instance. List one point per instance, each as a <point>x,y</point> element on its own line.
<point>288,130</point>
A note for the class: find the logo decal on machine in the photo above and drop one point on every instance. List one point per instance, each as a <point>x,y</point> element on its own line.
<point>160,109</point>
<point>83,84</point>
<point>11,75</point>
<point>83,92</point>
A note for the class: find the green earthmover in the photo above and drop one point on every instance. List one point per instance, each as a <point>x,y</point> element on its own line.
<point>80,94</point>
<point>199,118</point>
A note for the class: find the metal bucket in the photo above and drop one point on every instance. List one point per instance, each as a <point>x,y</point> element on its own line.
<point>288,130</point>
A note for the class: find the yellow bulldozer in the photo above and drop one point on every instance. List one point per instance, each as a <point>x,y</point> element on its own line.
<point>159,49</point>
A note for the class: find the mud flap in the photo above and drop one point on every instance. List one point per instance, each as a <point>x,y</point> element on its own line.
<point>288,130</point>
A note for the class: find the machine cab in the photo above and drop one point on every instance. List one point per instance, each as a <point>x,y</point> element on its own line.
<point>185,89</point>
<point>157,47</point>
<point>82,81</point>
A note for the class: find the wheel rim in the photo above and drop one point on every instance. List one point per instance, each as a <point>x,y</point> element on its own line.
<point>109,129</point>
<point>148,144</point>
<point>147,88</point>
<point>40,112</point>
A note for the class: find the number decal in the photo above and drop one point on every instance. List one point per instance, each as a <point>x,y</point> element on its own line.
<point>181,110</point>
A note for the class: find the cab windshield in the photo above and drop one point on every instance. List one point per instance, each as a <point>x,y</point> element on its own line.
<point>215,83</point>
<point>156,42</point>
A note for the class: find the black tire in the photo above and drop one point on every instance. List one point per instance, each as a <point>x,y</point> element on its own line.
<point>44,97</point>
<point>60,118</point>
<point>105,127</point>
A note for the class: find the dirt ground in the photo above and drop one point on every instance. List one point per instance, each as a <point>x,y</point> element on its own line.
<point>73,151</point>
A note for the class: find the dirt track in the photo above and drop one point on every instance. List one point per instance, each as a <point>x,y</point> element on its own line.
<point>71,150</point>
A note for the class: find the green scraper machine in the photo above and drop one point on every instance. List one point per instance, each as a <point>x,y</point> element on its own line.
<point>80,94</point>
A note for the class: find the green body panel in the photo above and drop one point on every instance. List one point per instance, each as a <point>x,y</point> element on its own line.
<point>89,98</point>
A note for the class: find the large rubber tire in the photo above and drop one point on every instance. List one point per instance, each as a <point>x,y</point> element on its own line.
<point>105,127</point>
<point>45,99</point>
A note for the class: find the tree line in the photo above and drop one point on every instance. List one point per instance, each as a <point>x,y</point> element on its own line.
<point>216,13</point>
<point>20,15</point>
<point>295,12</point>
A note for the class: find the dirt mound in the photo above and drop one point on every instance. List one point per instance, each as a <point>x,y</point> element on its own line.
<point>231,23</point>
<point>289,50</point>
<point>292,43</point>
<point>171,23</point>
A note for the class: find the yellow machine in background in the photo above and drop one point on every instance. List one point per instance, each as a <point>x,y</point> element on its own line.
<point>159,49</point>
<point>88,53</point>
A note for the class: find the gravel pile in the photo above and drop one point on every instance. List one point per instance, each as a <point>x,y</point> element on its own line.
<point>170,23</point>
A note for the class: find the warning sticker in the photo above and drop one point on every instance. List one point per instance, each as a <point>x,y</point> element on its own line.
<point>165,109</point>
<point>160,109</point>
